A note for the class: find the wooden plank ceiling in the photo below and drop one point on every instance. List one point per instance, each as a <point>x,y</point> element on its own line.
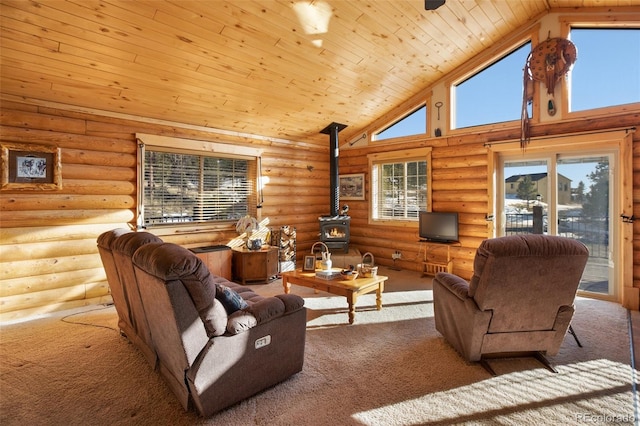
<point>277,68</point>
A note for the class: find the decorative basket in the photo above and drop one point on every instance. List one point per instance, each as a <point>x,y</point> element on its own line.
<point>323,249</point>
<point>349,277</point>
<point>368,270</point>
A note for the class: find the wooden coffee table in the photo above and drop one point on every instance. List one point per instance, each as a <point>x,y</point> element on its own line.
<point>350,289</point>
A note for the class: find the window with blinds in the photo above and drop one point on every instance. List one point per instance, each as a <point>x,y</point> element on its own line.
<point>182,188</point>
<point>400,186</point>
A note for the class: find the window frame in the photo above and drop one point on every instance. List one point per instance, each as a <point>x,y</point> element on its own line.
<point>473,67</point>
<point>198,148</point>
<point>404,156</point>
<point>407,112</point>
<point>595,21</point>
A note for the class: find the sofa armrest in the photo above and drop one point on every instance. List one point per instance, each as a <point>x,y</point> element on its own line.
<point>263,311</point>
<point>292,302</point>
<point>266,309</point>
<point>456,285</point>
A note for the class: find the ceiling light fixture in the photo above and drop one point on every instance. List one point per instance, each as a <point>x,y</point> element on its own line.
<point>433,4</point>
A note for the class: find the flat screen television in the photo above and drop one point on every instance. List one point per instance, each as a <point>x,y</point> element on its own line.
<point>439,227</point>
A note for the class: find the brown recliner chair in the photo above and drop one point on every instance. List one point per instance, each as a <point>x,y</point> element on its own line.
<point>519,300</point>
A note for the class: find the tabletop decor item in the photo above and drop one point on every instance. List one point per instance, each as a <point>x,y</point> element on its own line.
<point>245,227</point>
<point>324,263</point>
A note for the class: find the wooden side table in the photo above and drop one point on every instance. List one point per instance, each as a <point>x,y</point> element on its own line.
<point>255,265</point>
<point>432,263</point>
<point>217,259</point>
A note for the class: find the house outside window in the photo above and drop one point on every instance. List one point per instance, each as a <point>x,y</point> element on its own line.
<point>400,185</point>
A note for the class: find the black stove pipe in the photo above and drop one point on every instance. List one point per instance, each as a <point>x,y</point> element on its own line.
<point>332,130</point>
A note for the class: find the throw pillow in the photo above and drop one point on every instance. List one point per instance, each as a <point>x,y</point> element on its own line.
<point>231,300</point>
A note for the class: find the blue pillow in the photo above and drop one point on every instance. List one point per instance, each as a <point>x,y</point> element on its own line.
<point>231,300</point>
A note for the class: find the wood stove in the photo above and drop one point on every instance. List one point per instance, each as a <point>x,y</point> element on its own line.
<point>335,228</point>
<point>334,232</point>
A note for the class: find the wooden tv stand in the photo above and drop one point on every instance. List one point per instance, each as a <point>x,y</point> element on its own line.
<point>437,257</point>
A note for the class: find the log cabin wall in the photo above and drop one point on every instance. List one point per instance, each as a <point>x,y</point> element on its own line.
<point>460,166</point>
<point>48,255</point>
<point>48,248</point>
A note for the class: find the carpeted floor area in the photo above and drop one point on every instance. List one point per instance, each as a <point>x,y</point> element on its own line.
<point>391,367</point>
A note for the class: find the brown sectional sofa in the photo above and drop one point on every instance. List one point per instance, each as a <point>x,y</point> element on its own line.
<point>214,341</point>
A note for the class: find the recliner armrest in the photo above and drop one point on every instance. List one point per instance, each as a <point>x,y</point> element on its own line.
<point>456,285</point>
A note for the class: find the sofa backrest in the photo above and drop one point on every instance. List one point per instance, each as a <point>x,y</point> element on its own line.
<point>105,243</point>
<point>123,248</point>
<point>164,272</point>
<point>526,279</point>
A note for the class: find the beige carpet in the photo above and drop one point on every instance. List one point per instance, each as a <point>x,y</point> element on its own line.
<point>390,368</point>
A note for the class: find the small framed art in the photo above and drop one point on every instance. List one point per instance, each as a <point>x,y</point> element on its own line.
<point>351,186</point>
<point>30,167</point>
<point>309,263</point>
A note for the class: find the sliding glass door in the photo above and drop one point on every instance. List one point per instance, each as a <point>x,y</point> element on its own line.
<point>568,194</point>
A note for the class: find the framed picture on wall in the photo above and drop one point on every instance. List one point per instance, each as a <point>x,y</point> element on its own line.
<point>351,186</point>
<point>30,167</point>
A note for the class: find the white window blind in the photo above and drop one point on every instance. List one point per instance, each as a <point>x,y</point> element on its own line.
<point>400,188</point>
<point>190,187</point>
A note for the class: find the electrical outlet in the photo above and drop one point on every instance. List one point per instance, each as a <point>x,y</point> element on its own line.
<point>396,255</point>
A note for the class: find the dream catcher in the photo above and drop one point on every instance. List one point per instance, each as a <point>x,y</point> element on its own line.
<point>547,63</point>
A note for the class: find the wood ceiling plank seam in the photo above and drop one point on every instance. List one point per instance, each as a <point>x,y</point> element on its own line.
<point>345,28</point>
<point>484,22</point>
<point>91,73</point>
<point>156,40</point>
<point>374,50</point>
<point>362,73</point>
<point>241,22</point>
<point>79,52</point>
<point>137,8</point>
<point>128,72</point>
<point>329,69</point>
<point>86,36</point>
<point>422,43</point>
<point>25,63</point>
<point>18,86</point>
<point>63,39</point>
<point>508,17</point>
<point>182,11</point>
<point>254,70</point>
<point>535,8</point>
<point>240,32</point>
<point>289,52</point>
<point>433,26</point>
<point>490,9</point>
<point>272,17</point>
<point>63,97</point>
<point>520,11</point>
<point>456,33</point>
<point>476,32</point>
<point>430,56</point>
<point>8,33</point>
<point>429,33</point>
